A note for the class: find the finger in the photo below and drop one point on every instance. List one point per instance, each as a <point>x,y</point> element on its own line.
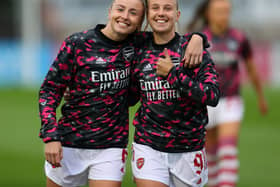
<point>196,61</point>
<point>48,158</point>
<point>166,53</point>
<point>61,154</point>
<point>158,64</point>
<point>200,58</point>
<point>158,72</point>
<point>191,61</point>
<point>186,60</point>
<point>55,158</point>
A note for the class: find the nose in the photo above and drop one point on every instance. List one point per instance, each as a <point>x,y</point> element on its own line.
<point>125,14</point>
<point>161,12</point>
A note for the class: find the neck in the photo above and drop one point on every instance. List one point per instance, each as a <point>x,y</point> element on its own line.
<point>163,38</point>
<point>107,31</point>
<point>217,30</point>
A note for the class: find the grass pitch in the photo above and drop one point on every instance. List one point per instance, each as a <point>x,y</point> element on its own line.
<point>22,158</point>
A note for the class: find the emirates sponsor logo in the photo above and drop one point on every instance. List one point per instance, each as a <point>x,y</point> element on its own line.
<point>140,163</point>
<point>114,79</point>
<point>156,90</point>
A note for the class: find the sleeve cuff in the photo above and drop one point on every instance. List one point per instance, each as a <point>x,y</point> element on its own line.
<point>204,37</point>
<point>51,139</point>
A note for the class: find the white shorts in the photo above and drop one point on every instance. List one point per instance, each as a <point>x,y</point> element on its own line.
<point>229,109</point>
<point>80,165</point>
<point>150,164</point>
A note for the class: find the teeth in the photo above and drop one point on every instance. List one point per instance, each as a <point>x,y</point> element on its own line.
<point>160,21</point>
<point>122,24</point>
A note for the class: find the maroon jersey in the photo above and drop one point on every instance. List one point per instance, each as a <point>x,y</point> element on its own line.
<point>226,51</point>
<point>97,72</point>
<point>173,113</point>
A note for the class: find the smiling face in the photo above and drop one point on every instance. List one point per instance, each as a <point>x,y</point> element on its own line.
<point>163,15</point>
<point>125,17</point>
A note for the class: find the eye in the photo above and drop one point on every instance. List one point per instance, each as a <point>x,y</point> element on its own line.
<point>168,8</point>
<point>120,9</point>
<point>134,13</point>
<point>154,7</point>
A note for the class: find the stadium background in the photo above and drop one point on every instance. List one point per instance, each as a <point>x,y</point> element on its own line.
<point>30,34</point>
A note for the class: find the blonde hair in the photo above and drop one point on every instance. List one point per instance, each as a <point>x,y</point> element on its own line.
<point>146,3</point>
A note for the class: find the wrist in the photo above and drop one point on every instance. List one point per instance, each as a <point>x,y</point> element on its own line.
<point>170,71</point>
<point>203,37</point>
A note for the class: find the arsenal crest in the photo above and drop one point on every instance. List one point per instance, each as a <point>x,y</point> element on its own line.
<point>140,163</point>
<point>128,53</point>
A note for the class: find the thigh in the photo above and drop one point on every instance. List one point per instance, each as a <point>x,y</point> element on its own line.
<point>54,175</point>
<point>108,166</point>
<point>228,129</point>
<point>149,166</point>
<point>190,168</point>
<point>149,183</point>
<point>211,138</point>
<point>104,183</point>
<point>51,183</point>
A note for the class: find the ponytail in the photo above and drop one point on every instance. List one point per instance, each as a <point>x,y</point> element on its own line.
<point>199,19</point>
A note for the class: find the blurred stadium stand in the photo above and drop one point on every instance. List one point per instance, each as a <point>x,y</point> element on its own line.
<point>32,30</point>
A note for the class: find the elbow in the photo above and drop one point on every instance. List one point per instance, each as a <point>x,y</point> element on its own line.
<point>215,97</point>
<point>214,103</point>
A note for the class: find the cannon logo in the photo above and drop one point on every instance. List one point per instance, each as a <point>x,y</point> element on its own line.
<point>128,53</point>
<point>140,163</point>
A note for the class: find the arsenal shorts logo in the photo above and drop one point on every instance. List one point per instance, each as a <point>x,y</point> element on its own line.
<point>140,163</point>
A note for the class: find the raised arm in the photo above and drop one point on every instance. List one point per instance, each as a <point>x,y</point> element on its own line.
<point>194,51</point>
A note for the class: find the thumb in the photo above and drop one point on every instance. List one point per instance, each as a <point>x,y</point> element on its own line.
<point>60,153</point>
<point>166,53</point>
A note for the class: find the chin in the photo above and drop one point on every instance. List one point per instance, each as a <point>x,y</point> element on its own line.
<point>123,31</point>
<point>161,30</point>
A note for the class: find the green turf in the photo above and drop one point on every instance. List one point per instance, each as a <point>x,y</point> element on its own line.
<point>22,158</point>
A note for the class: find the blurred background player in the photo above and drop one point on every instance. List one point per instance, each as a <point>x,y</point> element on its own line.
<point>227,47</point>
<point>168,148</point>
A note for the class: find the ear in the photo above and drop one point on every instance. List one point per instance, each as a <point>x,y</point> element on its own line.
<point>109,13</point>
<point>178,15</point>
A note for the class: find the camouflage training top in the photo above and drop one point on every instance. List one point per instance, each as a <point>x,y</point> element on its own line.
<point>227,52</point>
<point>173,114</point>
<point>96,70</point>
